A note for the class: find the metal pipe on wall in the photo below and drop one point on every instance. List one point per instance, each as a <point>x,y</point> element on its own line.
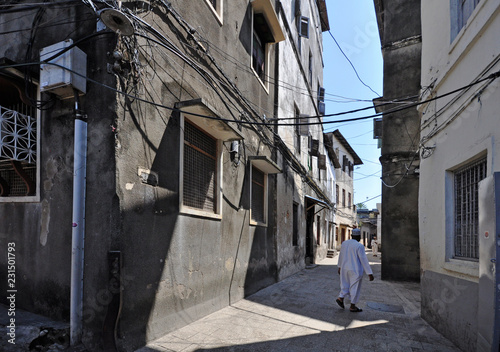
<point>78,233</point>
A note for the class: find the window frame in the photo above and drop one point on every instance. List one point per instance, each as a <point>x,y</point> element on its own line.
<point>321,99</point>
<point>273,34</point>
<point>265,71</point>
<point>457,19</point>
<point>298,136</point>
<point>184,209</point>
<point>478,162</point>
<point>303,23</point>
<point>217,10</point>
<point>255,35</point>
<point>310,69</point>
<point>337,194</point>
<point>259,222</point>
<point>36,197</point>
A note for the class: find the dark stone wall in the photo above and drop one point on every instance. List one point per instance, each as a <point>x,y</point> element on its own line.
<point>42,230</point>
<point>401,48</point>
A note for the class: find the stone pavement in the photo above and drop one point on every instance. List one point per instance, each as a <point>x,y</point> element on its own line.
<point>300,314</point>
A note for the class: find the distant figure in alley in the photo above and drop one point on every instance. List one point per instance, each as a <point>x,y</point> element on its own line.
<point>352,264</point>
<point>374,246</point>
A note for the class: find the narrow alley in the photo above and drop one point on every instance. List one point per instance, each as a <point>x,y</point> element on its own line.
<point>300,314</point>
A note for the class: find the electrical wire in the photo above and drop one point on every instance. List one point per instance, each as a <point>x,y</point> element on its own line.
<point>352,65</point>
<point>203,74</point>
<point>490,77</point>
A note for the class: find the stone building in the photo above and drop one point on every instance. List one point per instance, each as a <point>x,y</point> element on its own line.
<point>400,37</point>
<point>165,127</point>
<point>367,221</point>
<point>345,158</point>
<point>302,186</point>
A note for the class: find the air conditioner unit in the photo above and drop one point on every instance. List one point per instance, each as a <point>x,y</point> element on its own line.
<point>64,72</point>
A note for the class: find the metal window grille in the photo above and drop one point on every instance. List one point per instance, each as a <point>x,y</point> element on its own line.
<point>17,135</point>
<point>17,144</point>
<point>466,209</point>
<point>258,194</point>
<point>17,187</point>
<point>200,169</point>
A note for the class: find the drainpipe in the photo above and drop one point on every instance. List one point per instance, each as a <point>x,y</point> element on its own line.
<point>78,233</point>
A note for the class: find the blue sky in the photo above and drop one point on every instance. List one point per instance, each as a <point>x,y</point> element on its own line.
<point>354,26</point>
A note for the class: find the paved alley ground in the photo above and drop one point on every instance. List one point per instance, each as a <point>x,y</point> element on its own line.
<point>300,314</point>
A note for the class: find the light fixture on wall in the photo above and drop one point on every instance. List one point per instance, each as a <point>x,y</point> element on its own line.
<point>234,152</point>
<point>117,22</point>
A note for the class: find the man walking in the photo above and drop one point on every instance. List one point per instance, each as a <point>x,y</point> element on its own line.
<point>352,263</point>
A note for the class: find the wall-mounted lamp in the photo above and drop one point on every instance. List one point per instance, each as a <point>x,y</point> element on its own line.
<point>234,152</point>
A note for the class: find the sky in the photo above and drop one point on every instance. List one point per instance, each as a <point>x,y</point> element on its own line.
<point>353,24</point>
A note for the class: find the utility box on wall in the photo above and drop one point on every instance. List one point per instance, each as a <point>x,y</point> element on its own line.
<point>68,73</point>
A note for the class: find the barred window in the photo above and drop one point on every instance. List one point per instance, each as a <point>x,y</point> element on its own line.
<point>466,209</point>
<point>200,169</point>
<point>258,195</point>
<point>18,140</point>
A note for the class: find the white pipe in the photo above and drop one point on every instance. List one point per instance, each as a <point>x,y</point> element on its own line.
<point>78,234</point>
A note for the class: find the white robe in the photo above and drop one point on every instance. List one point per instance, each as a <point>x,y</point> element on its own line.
<point>374,247</point>
<point>352,263</point>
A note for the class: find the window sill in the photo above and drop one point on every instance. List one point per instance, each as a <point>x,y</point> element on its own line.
<point>463,267</point>
<point>200,213</point>
<point>257,223</point>
<point>27,199</point>
<point>260,81</point>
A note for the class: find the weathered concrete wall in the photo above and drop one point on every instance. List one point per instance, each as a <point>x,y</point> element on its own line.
<point>456,130</point>
<point>183,266</point>
<point>293,71</point>
<point>448,299</point>
<point>176,266</point>
<point>42,230</point>
<point>401,48</point>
